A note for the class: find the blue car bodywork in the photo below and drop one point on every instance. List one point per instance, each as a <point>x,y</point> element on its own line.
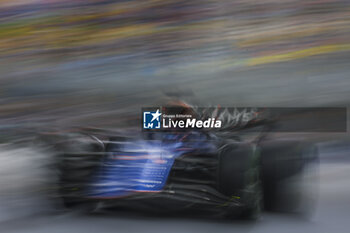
<point>144,165</point>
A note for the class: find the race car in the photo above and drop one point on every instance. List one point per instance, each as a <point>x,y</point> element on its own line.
<point>176,170</point>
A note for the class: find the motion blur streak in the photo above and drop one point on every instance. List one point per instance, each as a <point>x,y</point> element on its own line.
<point>96,63</point>
<point>86,59</point>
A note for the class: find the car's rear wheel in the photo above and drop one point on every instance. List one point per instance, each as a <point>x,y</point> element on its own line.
<point>239,178</point>
<point>286,165</point>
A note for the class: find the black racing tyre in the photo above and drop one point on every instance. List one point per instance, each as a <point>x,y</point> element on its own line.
<point>284,167</point>
<point>76,163</point>
<point>73,180</point>
<point>239,178</point>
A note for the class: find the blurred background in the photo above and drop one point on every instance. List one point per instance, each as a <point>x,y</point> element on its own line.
<point>96,62</point>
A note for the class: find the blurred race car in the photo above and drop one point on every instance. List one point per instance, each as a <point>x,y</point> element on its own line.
<point>175,170</point>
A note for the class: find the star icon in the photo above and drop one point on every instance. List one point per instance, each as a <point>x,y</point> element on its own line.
<point>156,115</point>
